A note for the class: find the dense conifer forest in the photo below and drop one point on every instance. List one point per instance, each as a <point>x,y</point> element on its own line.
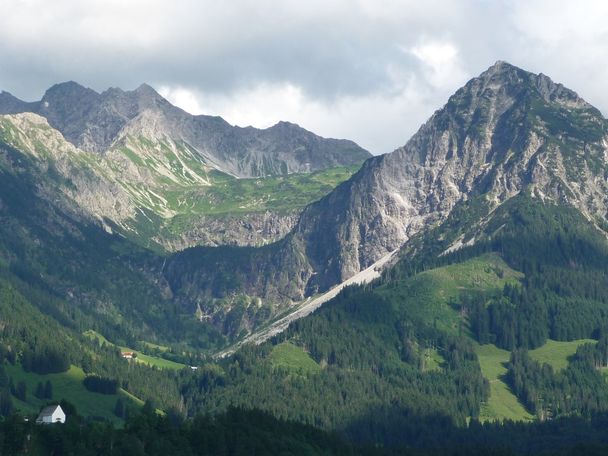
<point>389,364</point>
<point>389,377</point>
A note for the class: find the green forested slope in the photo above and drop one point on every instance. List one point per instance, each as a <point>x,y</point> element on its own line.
<point>34,349</point>
<point>537,271</point>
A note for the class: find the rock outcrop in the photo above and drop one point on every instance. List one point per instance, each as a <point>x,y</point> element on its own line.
<point>251,229</point>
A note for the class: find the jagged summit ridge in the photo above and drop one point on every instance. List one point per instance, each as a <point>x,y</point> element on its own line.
<point>96,122</point>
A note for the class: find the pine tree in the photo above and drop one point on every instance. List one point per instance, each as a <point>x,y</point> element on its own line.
<point>48,390</point>
<point>21,391</point>
<point>119,408</point>
<point>39,393</point>
<point>6,403</point>
<point>3,377</point>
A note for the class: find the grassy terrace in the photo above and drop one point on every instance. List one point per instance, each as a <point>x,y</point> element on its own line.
<point>230,197</point>
<point>292,358</point>
<point>280,193</point>
<point>150,360</point>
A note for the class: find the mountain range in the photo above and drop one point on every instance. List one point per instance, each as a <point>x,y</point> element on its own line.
<point>163,177</point>
<point>96,122</point>
<point>130,160</point>
<point>505,132</point>
<point>125,221</point>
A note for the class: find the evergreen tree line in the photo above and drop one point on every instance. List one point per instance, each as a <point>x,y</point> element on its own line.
<point>44,390</point>
<point>236,432</point>
<point>580,388</point>
<point>100,384</point>
<point>373,379</point>
<point>44,360</point>
<point>564,292</point>
<point>245,432</point>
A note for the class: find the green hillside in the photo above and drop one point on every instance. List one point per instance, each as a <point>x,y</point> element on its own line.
<point>445,337</point>
<point>430,296</point>
<point>68,385</point>
<point>502,403</point>
<point>288,356</point>
<point>404,342</point>
<point>61,355</point>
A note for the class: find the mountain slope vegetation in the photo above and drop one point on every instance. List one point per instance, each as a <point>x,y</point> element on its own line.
<point>376,344</point>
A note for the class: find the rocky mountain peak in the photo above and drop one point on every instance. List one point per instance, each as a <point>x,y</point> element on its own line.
<point>506,79</point>
<point>97,122</point>
<point>284,125</point>
<point>505,131</point>
<point>68,88</point>
<point>146,90</point>
<point>67,99</point>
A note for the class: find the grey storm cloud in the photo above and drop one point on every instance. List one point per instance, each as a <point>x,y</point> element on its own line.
<point>368,70</point>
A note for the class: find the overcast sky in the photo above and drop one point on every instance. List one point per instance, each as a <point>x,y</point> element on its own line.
<point>367,70</point>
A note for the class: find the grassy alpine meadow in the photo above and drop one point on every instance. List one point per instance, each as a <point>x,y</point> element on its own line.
<point>227,196</point>
<point>155,361</point>
<point>280,193</point>
<point>502,404</point>
<point>556,353</point>
<point>69,386</point>
<point>292,358</point>
<point>428,296</point>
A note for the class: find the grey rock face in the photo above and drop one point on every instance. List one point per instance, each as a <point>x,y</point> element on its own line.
<point>61,176</point>
<point>253,229</point>
<point>10,104</point>
<point>94,122</point>
<point>503,132</point>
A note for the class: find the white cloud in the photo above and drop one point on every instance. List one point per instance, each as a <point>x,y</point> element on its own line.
<point>265,105</point>
<point>183,98</point>
<point>441,61</point>
<point>369,70</point>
